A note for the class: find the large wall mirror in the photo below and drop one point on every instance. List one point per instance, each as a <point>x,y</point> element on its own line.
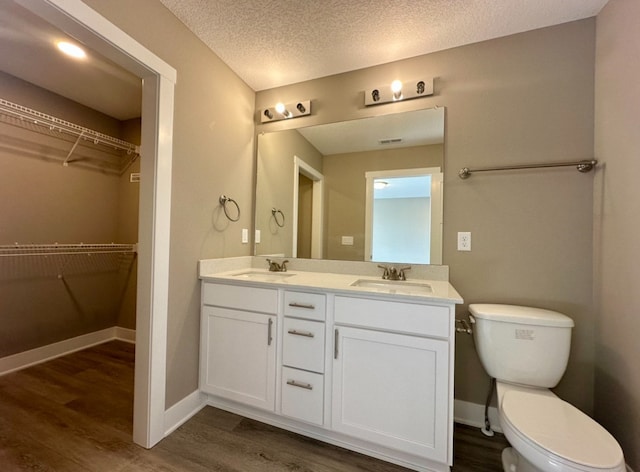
<point>361,190</point>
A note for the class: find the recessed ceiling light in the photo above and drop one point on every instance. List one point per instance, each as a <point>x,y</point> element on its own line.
<point>71,50</point>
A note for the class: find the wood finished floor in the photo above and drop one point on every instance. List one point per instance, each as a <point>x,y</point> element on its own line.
<point>74,414</point>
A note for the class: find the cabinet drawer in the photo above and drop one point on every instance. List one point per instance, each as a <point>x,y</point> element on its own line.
<point>412,318</point>
<point>264,300</point>
<point>303,395</point>
<point>303,344</point>
<point>305,305</point>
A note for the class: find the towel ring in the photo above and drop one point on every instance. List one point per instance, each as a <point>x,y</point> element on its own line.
<point>223,201</point>
<point>275,212</point>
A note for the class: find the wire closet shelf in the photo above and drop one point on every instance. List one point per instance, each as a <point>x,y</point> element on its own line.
<point>14,250</point>
<point>29,261</point>
<point>43,123</point>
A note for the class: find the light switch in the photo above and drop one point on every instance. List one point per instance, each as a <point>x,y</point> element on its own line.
<point>257,236</point>
<point>245,235</point>
<point>347,240</point>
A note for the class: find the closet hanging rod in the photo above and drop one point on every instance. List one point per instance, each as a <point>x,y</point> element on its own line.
<point>581,166</point>
<point>39,118</point>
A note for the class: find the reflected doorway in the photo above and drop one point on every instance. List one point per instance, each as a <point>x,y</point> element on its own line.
<point>404,216</point>
<point>308,189</point>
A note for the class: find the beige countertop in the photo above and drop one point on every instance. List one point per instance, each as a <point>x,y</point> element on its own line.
<point>241,271</point>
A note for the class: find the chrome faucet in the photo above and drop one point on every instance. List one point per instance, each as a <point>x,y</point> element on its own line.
<point>393,273</point>
<point>277,267</point>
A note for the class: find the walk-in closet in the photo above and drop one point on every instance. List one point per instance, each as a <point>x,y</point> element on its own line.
<point>69,184</point>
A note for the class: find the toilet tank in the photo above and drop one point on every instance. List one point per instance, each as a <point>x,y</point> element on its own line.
<point>522,345</point>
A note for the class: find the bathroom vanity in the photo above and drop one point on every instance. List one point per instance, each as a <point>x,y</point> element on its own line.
<point>352,360</point>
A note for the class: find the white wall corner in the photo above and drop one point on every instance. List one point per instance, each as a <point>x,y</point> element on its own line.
<point>182,411</point>
<point>472,414</point>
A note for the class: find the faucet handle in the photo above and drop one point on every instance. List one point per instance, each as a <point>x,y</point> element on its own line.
<point>283,265</point>
<point>401,274</point>
<point>385,274</point>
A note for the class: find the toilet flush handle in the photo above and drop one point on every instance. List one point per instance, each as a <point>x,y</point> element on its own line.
<point>465,327</point>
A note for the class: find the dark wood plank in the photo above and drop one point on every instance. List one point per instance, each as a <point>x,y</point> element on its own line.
<point>74,413</point>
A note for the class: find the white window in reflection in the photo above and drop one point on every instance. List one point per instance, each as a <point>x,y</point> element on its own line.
<point>405,215</point>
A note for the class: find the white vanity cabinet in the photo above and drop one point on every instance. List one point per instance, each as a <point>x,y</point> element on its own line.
<point>391,381</point>
<point>368,371</point>
<point>238,344</point>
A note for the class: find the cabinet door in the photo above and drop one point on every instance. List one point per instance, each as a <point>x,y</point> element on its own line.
<point>239,356</point>
<point>392,389</point>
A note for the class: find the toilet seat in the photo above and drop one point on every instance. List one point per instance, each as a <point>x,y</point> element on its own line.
<point>554,435</point>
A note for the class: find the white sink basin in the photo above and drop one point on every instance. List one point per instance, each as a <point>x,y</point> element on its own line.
<point>263,275</point>
<point>394,286</point>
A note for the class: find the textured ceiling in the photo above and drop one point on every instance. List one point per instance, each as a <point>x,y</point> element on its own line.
<point>270,43</point>
<point>277,42</point>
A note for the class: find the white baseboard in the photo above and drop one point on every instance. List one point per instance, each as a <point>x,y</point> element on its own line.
<point>125,334</point>
<point>182,411</point>
<point>472,414</point>
<point>25,359</point>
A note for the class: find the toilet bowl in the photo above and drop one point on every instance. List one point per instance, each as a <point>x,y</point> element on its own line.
<point>526,350</point>
<point>549,434</point>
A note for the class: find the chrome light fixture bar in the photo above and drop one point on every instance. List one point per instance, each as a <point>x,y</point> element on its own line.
<point>399,91</point>
<point>285,111</point>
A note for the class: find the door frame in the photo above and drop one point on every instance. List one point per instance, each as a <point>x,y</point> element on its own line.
<point>317,207</point>
<point>154,224</point>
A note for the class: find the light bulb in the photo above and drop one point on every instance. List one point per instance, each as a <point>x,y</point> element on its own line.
<point>280,108</point>
<point>71,50</point>
<point>396,88</point>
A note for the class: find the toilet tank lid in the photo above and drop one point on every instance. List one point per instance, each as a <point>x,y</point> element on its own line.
<point>520,315</point>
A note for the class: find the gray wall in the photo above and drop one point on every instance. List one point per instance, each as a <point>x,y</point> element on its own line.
<point>273,187</point>
<point>617,145</point>
<point>213,154</point>
<point>345,191</point>
<point>519,99</point>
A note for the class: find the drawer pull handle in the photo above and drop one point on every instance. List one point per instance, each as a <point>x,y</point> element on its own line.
<point>269,337</point>
<point>336,338</point>
<point>295,383</point>
<point>306,334</point>
<point>302,305</point>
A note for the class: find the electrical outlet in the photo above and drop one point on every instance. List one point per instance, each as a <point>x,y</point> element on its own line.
<point>464,241</point>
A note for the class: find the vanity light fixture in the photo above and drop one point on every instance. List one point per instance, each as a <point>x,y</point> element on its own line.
<point>71,49</point>
<point>399,91</point>
<point>286,111</point>
<point>380,184</point>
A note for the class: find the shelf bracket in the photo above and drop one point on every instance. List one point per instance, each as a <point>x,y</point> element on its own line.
<point>66,161</point>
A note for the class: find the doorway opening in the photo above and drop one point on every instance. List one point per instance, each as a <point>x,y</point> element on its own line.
<point>403,219</point>
<point>97,33</point>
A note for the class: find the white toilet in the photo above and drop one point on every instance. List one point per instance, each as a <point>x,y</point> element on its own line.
<point>526,350</point>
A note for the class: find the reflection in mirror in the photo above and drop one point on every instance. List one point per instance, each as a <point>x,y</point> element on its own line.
<point>317,178</point>
<point>403,218</point>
